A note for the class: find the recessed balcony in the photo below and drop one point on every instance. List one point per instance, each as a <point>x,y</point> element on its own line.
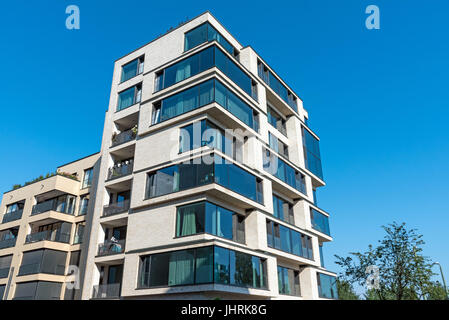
<point>63,204</point>
<point>12,216</point>
<point>106,291</point>
<point>116,208</point>
<point>111,247</point>
<point>121,169</point>
<point>124,137</point>
<point>48,235</point>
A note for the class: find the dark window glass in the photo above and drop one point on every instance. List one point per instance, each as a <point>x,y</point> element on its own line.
<point>132,69</point>
<point>203,33</point>
<point>327,286</point>
<point>221,265</point>
<point>129,97</point>
<point>288,280</point>
<point>312,156</point>
<point>2,292</point>
<point>319,221</point>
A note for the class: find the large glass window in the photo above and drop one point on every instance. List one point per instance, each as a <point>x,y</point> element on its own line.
<point>201,95</point>
<point>43,261</point>
<point>87,180</point>
<point>84,205</point>
<point>129,97</point>
<point>200,172</point>
<point>5,264</point>
<point>288,281</point>
<point>132,69</point>
<point>2,292</point>
<point>206,33</point>
<point>276,120</point>
<point>312,156</point>
<point>202,265</point>
<point>289,240</point>
<point>283,209</point>
<point>277,145</point>
<point>319,221</point>
<point>210,218</point>
<point>38,290</point>
<point>280,169</point>
<point>327,286</point>
<point>274,83</point>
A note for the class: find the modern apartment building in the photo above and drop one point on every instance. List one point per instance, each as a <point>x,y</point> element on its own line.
<point>205,187</point>
<point>208,177</point>
<point>41,232</point>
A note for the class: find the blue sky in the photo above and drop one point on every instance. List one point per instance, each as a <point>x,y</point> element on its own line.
<point>378,99</point>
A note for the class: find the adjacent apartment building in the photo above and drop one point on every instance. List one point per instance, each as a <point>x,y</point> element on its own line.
<point>205,186</point>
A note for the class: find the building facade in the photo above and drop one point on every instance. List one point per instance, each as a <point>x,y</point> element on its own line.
<point>205,186</point>
<point>41,232</point>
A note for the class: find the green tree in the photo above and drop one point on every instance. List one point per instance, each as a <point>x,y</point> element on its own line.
<point>346,290</point>
<point>404,272</point>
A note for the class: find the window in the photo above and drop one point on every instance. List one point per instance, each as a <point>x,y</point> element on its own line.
<point>201,95</point>
<point>315,201</point>
<point>284,172</point>
<point>13,211</point>
<point>79,232</point>
<point>87,180</point>
<point>327,286</point>
<point>2,292</point>
<point>276,120</point>
<point>206,33</point>
<point>132,69</point>
<point>207,217</point>
<point>312,156</point>
<point>277,145</point>
<point>84,204</point>
<point>202,265</point>
<point>319,221</point>
<point>200,172</point>
<point>288,240</point>
<point>43,261</point>
<point>38,290</point>
<point>321,255</point>
<point>288,281</point>
<point>5,264</point>
<point>274,83</point>
<point>283,210</point>
<point>14,207</point>
<point>129,97</point>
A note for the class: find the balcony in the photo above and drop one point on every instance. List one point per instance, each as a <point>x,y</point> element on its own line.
<point>124,137</point>
<point>12,216</point>
<point>48,235</point>
<point>107,291</point>
<point>116,208</point>
<point>120,170</point>
<point>111,247</point>
<point>54,205</point>
<point>8,243</point>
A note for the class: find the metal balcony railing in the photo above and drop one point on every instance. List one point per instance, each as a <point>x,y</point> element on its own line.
<point>111,247</point>
<point>12,216</point>
<point>7,243</point>
<point>49,235</point>
<point>123,137</point>
<point>120,170</point>
<point>116,208</point>
<point>106,291</point>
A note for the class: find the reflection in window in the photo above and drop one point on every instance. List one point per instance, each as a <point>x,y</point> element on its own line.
<point>312,156</point>
<point>129,97</point>
<point>206,33</point>
<point>288,281</point>
<point>319,221</point>
<point>87,180</point>
<point>327,286</point>
<point>132,69</point>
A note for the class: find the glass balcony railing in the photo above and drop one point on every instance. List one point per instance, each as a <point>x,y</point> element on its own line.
<point>54,205</point>
<point>48,235</point>
<point>7,243</point>
<point>12,216</point>
<point>120,170</point>
<point>116,208</point>
<point>123,137</point>
<point>106,291</point>
<point>34,268</point>
<point>111,247</point>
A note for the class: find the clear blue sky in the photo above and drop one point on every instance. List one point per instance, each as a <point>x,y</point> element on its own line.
<point>378,99</point>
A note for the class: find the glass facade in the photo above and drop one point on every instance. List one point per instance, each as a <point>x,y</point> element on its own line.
<point>202,171</point>
<point>38,290</point>
<point>206,33</point>
<point>211,264</point>
<point>283,210</point>
<point>129,97</point>
<point>199,62</point>
<point>206,217</point>
<point>203,133</point>
<point>281,170</point>
<point>319,221</point>
<point>201,95</point>
<point>327,286</point>
<point>277,145</point>
<point>312,156</point>
<point>288,281</point>
<point>276,121</point>
<point>132,69</point>
<point>288,240</point>
<point>43,261</point>
<point>274,83</point>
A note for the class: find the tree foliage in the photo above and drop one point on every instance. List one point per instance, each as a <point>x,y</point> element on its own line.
<point>404,272</point>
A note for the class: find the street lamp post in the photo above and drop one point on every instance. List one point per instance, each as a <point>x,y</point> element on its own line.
<point>442,277</point>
